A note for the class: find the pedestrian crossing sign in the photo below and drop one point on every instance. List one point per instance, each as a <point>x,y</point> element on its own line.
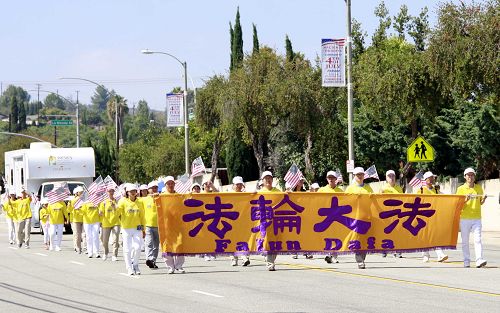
<point>420,151</point>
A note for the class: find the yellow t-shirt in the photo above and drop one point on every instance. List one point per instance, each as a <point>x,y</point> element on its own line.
<point>354,188</point>
<point>472,208</point>
<point>328,188</point>
<point>22,209</point>
<point>90,213</point>
<point>44,215</point>
<point>131,213</point>
<point>426,191</point>
<point>389,189</point>
<point>75,214</point>
<point>150,211</point>
<point>264,190</point>
<point>108,210</point>
<point>57,212</point>
<point>9,210</point>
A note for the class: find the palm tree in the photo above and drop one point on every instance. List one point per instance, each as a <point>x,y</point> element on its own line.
<point>117,101</point>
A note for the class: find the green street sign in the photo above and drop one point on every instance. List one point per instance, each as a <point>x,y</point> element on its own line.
<point>61,123</point>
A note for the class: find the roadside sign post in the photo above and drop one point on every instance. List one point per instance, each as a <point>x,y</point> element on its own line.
<point>420,151</point>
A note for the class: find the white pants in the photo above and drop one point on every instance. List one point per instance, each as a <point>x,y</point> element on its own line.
<point>11,229</point>
<point>46,234</point>
<point>55,232</point>
<point>439,253</point>
<point>92,231</point>
<point>132,239</point>
<point>174,262</point>
<point>466,227</point>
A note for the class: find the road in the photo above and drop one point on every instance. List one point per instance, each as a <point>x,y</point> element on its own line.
<point>36,280</point>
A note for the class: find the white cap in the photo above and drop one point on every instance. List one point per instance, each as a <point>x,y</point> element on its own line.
<point>266,173</point>
<point>153,184</point>
<point>390,172</point>
<point>130,187</point>
<point>143,187</point>
<point>44,201</point>
<point>237,180</point>
<point>358,170</point>
<point>169,178</point>
<point>428,174</point>
<point>331,173</point>
<point>287,185</point>
<point>469,170</point>
<point>77,189</point>
<point>195,185</point>
<point>314,186</point>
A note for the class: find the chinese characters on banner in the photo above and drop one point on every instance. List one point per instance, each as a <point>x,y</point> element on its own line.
<point>175,109</point>
<point>332,63</point>
<point>245,223</point>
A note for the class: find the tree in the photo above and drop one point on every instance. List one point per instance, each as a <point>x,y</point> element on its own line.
<point>358,40</point>
<point>401,22</point>
<point>54,101</point>
<point>255,39</point>
<point>237,43</point>
<point>100,98</point>
<point>384,23</point>
<point>119,103</point>
<point>22,117</point>
<point>290,55</point>
<point>13,102</point>
<point>419,29</point>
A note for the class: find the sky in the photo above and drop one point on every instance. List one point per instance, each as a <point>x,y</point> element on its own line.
<point>101,40</point>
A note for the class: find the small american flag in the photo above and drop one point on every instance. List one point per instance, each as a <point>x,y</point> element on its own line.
<point>197,167</point>
<point>99,194</point>
<point>417,180</point>
<point>93,187</point>
<point>59,193</point>
<point>81,200</point>
<point>340,180</point>
<point>371,172</point>
<point>183,184</point>
<point>34,199</point>
<point>293,176</point>
<point>119,191</point>
<point>110,183</point>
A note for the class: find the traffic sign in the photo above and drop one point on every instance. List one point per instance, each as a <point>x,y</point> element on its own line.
<point>420,151</point>
<point>61,122</point>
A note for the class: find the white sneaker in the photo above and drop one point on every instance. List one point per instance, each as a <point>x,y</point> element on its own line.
<point>425,259</point>
<point>114,259</point>
<point>27,246</point>
<point>481,263</point>
<point>136,270</point>
<point>442,258</point>
<point>104,257</point>
<point>130,272</point>
<point>181,270</point>
<point>234,262</point>
<point>207,258</point>
<point>58,249</point>
<point>270,267</point>
<point>170,271</point>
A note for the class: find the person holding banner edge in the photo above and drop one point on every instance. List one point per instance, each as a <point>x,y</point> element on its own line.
<point>267,179</point>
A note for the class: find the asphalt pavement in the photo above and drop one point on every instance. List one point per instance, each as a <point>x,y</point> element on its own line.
<point>37,280</point>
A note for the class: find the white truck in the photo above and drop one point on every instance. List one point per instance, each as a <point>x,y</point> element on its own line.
<point>37,169</point>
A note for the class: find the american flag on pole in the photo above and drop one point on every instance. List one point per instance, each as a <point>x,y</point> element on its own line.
<point>81,200</point>
<point>97,191</point>
<point>183,184</point>
<point>59,193</point>
<point>293,176</point>
<point>340,180</point>
<point>34,199</point>
<point>197,167</point>
<point>417,180</point>
<point>371,172</point>
<point>93,187</point>
<point>119,191</point>
<point>110,183</point>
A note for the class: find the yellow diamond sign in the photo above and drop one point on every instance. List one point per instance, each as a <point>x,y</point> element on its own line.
<point>420,151</point>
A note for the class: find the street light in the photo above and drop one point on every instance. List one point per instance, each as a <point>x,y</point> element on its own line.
<point>186,126</point>
<point>117,137</point>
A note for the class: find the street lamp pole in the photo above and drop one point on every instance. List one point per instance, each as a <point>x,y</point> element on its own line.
<point>77,121</point>
<point>185,106</point>
<point>350,114</point>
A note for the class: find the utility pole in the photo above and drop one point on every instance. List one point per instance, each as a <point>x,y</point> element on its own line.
<point>77,121</point>
<point>117,142</point>
<point>350,114</point>
<point>38,103</point>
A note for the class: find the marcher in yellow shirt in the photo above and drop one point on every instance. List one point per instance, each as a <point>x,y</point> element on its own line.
<point>10,218</point>
<point>391,187</point>
<point>91,225</point>
<point>152,239</point>
<point>267,187</point>
<point>132,220</point>
<point>57,213</point>
<point>239,186</point>
<point>44,223</point>
<point>108,210</point>
<point>22,219</point>
<point>76,219</point>
<point>470,219</point>
<point>430,189</point>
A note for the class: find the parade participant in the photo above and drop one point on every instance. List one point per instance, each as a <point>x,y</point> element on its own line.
<point>314,187</point>
<point>143,191</point>
<point>173,263</point>
<point>153,188</point>
<point>239,186</point>
<point>110,223</point>
<point>91,224</point>
<point>196,188</point>
<point>57,213</point>
<point>299,188</point>
<point>152,239</point>
<point>391,187</point>
<point>359,187</point>
<point>132,222</point>
<point>10,218</point>
<point>267,187</point>
<point>76,219</point>
<point>331,179</point>
<point>470,218</point>
<point>430,189</point>
<point>22,215</point>
<point>44,223</point>
<point>209,186</point>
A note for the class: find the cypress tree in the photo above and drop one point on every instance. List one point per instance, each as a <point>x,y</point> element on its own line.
<point>231,38</point>
<point>255,40</point>
<point>22,117</point>
<point>290,55</point>
<point>14,114</point>
<point>237,46</point>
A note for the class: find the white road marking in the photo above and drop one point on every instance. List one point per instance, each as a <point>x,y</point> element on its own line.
<point>41,254</point>
<point>131,276</point>
<point>207,293</point>
<point>75,262</point>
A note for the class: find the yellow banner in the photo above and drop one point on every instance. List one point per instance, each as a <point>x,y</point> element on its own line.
<point>247,223</point>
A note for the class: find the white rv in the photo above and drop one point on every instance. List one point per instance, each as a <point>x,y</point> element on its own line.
<point>37,168</point>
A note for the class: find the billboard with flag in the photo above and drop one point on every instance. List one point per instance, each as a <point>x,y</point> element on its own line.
<point>332,63</point>
<point>175,109</point>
